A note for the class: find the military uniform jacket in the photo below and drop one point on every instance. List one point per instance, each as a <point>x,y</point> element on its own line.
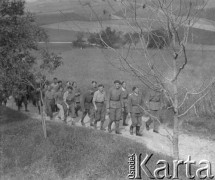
<point>87,99</point>
<point>114,98</point>
<point>77,94</point>
<point>134,101</point>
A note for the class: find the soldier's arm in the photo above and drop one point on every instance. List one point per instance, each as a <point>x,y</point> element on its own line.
<point>94,99</point>
<point>121,99</point>
<point>129,104</point>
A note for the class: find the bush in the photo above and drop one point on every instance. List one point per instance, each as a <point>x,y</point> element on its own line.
<point>79,42</point>
<point>157,39</point>
<point>106,38</point>
<point>131,38</point>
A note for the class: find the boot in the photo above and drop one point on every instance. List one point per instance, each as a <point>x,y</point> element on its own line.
<point>131,130</point>
<point>109,126</point>
<point>138,131</point>
<point>124,120</point>
<point>102,128</point>
<point>117,128</point>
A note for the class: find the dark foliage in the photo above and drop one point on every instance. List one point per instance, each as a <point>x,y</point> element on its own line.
<point>157,39</point>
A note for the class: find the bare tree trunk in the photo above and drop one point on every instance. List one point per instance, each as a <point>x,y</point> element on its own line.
<point>176,121</point>
<point>42,114</point>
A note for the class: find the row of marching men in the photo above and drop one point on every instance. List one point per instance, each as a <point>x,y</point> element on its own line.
<point>117,103</point>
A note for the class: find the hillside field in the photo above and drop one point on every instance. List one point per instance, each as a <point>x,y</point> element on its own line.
<point>68,153</point>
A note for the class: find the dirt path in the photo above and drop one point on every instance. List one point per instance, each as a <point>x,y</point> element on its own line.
<point>197,148</point>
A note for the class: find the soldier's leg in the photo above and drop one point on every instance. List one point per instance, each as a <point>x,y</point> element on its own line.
<point>83,116</point>
<point>133,122</point>
<point>77,108</point>
<point>118,115</point>
<point>111,119</point>
<point>124,116</point>
<point>72,112</point>
<point>103,111</point>
<point>139,119</point>
<point>150,120</point>
<point>25,101</point>
<point>97,116</point>
<point>61,111</point>
<point>91,115</point>
<point>66,111</point>
<point>19,104</point>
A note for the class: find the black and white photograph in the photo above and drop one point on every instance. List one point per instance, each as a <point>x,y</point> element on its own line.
<point>107,89</point>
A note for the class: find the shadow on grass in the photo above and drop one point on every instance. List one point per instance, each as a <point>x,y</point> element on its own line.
<point>9,115</point>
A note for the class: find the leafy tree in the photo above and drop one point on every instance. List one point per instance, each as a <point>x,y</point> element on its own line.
<point>19,49</point>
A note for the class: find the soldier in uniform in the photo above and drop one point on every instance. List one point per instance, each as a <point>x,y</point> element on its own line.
<point>59,101</point>
<point>125,95</point>
<point>21,97</point>
<point>69,103</point>
<point>115,106</point>
<point>135,100</point>
<point>49,101</point>
<point>99,105</point>
<point>155,105</point>
<point>87,104</point>
<point>77,97</point>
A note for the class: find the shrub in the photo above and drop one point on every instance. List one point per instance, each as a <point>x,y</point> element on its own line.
<point>157,39</point>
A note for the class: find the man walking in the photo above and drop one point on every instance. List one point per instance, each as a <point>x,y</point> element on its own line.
<point>49,102</point>
<point>99,105</point>
<point>115,106</point>
<point>135,100</point>
<point>59,102</point>
<point>69,103</point>
<point>155,104</point>
<point>77,92</point>
<point>125,103</point>
<point>87,104</point>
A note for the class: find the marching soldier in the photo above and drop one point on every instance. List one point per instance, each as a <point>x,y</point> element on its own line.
<point>55,84</point>
<point>155,105</point>
<point>77,92</point>
<point>99,105</point>
<point>125,95</point>
<point>59,101</point>
<point>69,103</point>
<point>135,100</point>
<point>115,106</point>
<point>49,101</point>
<point>21,97</point>
<point>87,104</point>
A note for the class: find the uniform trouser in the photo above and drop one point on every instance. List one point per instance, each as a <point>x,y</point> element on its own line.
<point>61,111</point>
<point>125,113</point>
<point>136,119</point>
<point>48,106</point>
<point>100,112</point>
<point>155,121</point>
<point>70,111</point>
<point>77,108</point>
<point>115,116</point>
<point>20,100</point>
<point>91,113</point>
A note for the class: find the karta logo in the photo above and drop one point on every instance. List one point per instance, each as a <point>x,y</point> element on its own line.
<point>138,167</point>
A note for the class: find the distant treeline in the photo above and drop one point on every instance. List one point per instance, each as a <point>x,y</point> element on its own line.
<point>155,39</point>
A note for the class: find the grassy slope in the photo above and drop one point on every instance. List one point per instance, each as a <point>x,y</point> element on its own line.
<point>68,152</point>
